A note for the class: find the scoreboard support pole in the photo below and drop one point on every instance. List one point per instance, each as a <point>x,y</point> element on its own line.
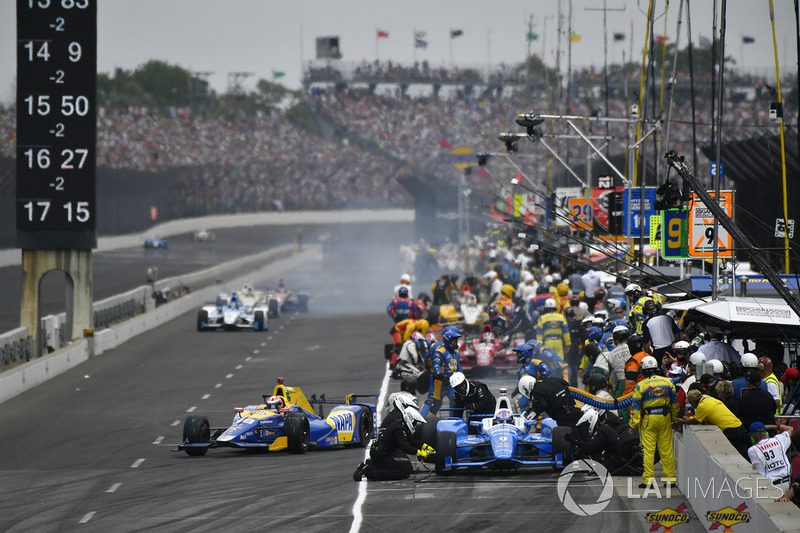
<point>77,267</point>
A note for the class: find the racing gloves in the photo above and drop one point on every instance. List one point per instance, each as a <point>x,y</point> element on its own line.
<point>423,452</point>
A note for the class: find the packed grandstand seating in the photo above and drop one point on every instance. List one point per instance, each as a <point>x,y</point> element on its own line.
<point>264,162</point>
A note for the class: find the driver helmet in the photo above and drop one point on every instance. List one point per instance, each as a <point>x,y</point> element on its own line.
<point>412,419</point>
<point>471,299</point>
<point>488,337</point>
<point>504,416</point>
<point>493,312</point>
<point>275,403</point>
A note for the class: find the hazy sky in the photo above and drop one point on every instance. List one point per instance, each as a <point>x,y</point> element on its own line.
<point>260,36</point>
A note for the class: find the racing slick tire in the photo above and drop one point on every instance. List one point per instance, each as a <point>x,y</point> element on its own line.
<point>274,309</point>
<point>259,322</point>
<point>364,428</point>
<point>297,431</point>
<point>202,320</point>
<point>561,445</point>
<point>445,447</point>
<point>196,429</point>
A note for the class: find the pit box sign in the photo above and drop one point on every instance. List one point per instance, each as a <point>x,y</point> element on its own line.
<point>701,228</point>
<point>580,213</point>
<point>675,234</point>
<point>631,205</point>
<point>780,228</point>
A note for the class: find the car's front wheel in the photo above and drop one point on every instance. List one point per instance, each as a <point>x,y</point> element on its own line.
<point>445,447</point>
<point>297,431</point>
<point>196,429</point>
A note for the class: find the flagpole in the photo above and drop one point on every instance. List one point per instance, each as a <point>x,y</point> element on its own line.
<point>377,38</point>
<point>414,45</point>
<point>451,48</point>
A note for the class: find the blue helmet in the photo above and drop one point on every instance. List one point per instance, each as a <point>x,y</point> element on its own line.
<point>451,336</point>
<point>536,346</point>
<point>524,352</point>
<point>594,333</point>
<point>544,370</point>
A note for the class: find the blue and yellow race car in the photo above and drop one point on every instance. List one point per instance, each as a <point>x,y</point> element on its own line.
<point>285,421</point>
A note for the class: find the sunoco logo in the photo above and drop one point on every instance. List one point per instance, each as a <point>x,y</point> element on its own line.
<point>461,157</point>
<point>566,498</point>
<point>667,518</point>
<point>727,517</point>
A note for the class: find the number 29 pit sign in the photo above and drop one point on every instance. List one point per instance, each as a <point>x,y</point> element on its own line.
<point>701,228</point>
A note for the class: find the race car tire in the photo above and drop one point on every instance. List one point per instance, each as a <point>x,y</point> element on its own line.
<point>297,431</point>
<point>196,429</point>
<point>365,428</point>
<point>445,447</point>
<point>202,320</point>
<point>561,445</point>
<point>274,309</point>
<point>427,435</point>
<point>259,323</point>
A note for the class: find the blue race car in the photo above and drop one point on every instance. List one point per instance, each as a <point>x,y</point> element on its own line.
<point>285,421</point>
<point>156,242</point>
<point>505,440</point>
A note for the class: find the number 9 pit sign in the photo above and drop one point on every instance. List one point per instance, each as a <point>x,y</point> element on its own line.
<point>701,228</point>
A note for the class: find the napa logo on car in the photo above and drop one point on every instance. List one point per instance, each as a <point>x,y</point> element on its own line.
<point>343,422</point>
<point>461,158</point>
<point>667,518</point>
<point>728,517</point>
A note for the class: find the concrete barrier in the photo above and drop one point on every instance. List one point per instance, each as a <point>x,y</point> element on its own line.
<point>33,373</point>
<point>10,257</point>
<point>724,490</point>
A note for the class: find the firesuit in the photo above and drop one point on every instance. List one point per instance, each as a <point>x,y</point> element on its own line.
<point>551,395</point>
<point>654,407</point>
<point>552,331</point>
<point>477,399</point>
<point>401,332</point>
<point>557,365</point>
<point>388,460</point>
<point>444,361</point>
<point>402,308</point>
<point>637,317</point>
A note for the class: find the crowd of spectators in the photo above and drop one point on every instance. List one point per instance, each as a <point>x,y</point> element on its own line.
<point>262,161</point>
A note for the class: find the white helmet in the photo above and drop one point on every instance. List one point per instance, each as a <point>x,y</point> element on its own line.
<point>716,366</point>
<point>556,277</point>
<point>548,280</point>
<point>587,320</point>
<point>405,278</point>
<point>749,360</point>
<point>457,379</point>
<point>401,400</point>
<point>698,358</point>
<point>526,276</point>
<point>488,337</point>
<point>490,275</point>
<point>584,306</point>
<point>632,287</point>
<point>681,345</point>
<point>526,384</point>
<point>591,416</point>
<point>550,304</point>
<point>649,363</point>
<point>411,417</point>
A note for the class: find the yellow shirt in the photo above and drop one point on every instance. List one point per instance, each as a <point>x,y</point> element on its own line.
<point>714,412</point>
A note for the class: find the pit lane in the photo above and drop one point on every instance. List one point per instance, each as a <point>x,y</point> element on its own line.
<point>90,450</point>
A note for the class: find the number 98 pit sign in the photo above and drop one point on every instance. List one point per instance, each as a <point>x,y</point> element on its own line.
<point>701,228</point>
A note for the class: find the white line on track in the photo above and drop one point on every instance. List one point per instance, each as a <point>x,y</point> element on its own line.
<point>175,423</point>
<point>238,367</point>
<point>136,463</point>
<point>229,376</point>
<point>205,397</point>
<point>191,409</point>
<point>355,527</point>
<point>114,487</point>
<point>158,440</point>
<point>87,517</point>
<point>263,344</point>
<point>269,338</point>
<point>218,385</point>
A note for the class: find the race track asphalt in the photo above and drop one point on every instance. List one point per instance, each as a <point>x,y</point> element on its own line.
<point>91,450</point>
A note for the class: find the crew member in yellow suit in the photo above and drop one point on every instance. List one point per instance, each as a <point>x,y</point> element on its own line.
<point>654,407</point>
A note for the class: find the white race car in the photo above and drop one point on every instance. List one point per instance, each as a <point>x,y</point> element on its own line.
<point>204,236</point>
<point>234,312</point>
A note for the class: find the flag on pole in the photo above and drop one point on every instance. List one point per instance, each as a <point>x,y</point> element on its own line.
<point>276,74</point>
<point>456,33</point>
<point>575,38</point>
<point>383,34</point>
<point>444,144</point>
<point>748,40</point>
<point>420,43</point>
<point>619,36</point>
<point>533,36</point>
<point>662,38</point>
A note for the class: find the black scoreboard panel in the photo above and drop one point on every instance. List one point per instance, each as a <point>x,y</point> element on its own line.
<point>56,123</point>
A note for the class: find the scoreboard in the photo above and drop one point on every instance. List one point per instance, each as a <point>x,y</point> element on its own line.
<point>56,124</point>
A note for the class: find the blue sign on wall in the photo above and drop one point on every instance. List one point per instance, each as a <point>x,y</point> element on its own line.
<point>631,208</point>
